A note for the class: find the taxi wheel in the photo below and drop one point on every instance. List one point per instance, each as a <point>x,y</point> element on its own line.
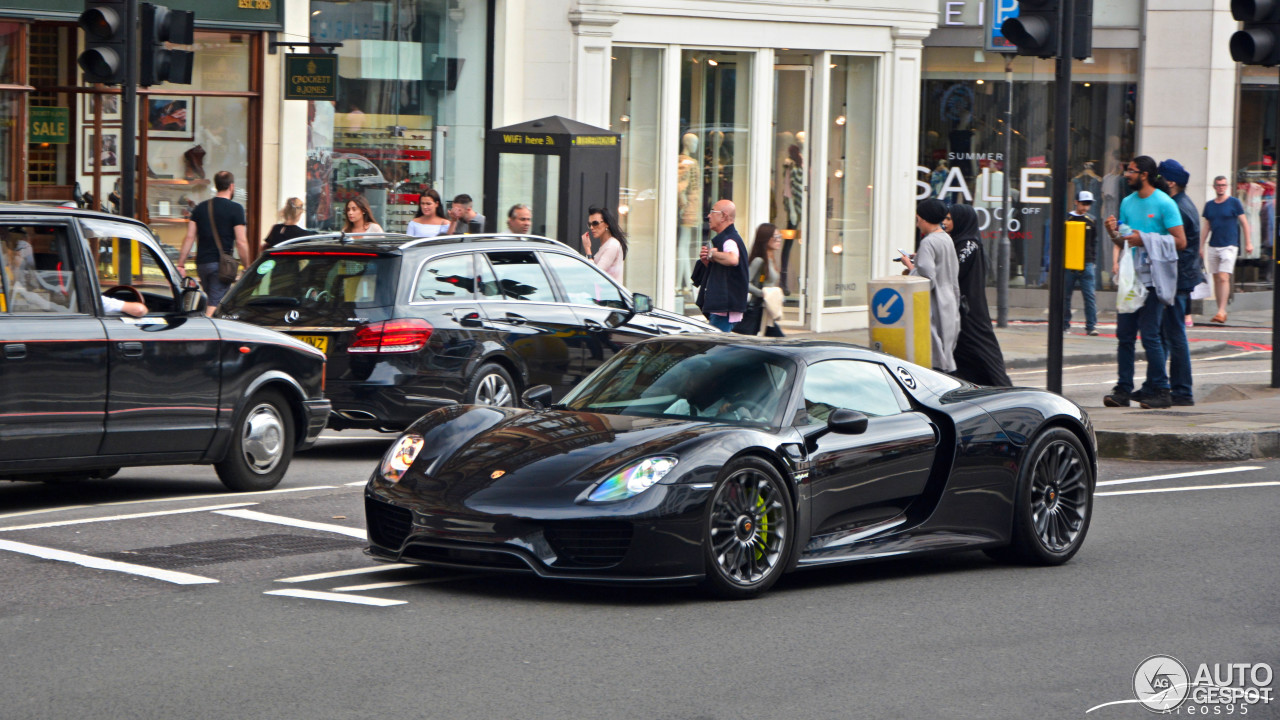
<point>261,446</point>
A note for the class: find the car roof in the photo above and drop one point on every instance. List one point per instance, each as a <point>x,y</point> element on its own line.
<point>33,209</point>
<point>399,242</point>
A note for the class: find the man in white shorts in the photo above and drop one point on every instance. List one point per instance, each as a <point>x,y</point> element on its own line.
<point>1224,220</point>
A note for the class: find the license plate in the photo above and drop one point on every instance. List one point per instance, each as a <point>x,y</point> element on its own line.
<point>319,342</point>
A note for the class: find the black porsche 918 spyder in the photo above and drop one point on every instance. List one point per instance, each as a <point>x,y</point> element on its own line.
<point>730,460</point>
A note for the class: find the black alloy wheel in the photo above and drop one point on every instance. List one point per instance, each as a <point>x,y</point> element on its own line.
<point>748,535</point>
<point>1054,501</point>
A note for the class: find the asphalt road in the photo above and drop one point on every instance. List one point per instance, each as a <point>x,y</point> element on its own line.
<point>1178,565</point>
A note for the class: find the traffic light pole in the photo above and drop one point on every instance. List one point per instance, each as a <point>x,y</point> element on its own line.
<point>1275,301</point>
<point>1061,167</point>
<point>129,112</point>
<point>1003,250</point>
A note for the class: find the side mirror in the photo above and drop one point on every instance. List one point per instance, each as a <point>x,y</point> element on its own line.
<point>847,422</point>
<point>642,303</point>
<point>193,301</point>
<point>536,397</point>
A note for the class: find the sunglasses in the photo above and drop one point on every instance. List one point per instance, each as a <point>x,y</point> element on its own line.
<point>596,223</point>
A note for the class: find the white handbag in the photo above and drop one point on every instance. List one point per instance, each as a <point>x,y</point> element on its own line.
<point>1131,294</point>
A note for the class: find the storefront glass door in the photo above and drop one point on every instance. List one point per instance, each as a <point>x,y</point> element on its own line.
<point>789,181</point>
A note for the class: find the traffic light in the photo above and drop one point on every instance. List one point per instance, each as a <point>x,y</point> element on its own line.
<point>104,56</point>
<point>160,64</point>
<point>1035,30</point>
<point>1259,42</point>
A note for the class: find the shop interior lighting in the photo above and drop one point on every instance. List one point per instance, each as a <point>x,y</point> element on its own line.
<point>980,81</point>
<point>712,62</point>
<point>841,120</point>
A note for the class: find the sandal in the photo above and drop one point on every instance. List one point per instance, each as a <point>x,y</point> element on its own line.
<point>1219,318</point>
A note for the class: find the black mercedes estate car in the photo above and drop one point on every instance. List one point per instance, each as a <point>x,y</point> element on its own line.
<point>86,389</point>
<point>411,325</point>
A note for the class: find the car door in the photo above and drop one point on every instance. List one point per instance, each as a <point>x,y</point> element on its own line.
<point>53,371</point>
<point>544,332</point>
<point>602,310</point>
<point>444,294</point>
<point>164,374</point>
<point>862,479</point>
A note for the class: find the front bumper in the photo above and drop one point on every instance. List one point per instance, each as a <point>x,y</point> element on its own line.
<point>316,413</point>
<point>659,543</point>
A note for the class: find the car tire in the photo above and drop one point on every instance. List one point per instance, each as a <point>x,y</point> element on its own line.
<point>492,385</point>
<point>748,530</point>
<point>261,444</point>
<point>1053,501</point>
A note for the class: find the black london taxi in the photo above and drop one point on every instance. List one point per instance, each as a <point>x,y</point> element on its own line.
<point>85,391</point>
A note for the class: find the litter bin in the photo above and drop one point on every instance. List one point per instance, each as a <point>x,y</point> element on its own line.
<point>900,318</point>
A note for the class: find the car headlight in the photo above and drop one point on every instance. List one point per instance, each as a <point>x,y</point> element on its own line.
<point>633,480</point>
<point>400,456</point>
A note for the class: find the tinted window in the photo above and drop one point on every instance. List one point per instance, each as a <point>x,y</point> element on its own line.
<point>446,278</point>
<point>487,281</point>
<point>583,282</point>
<point>521,277</point>
<point>36,270</point>
<point>849,384</point>
<point>319,280</point>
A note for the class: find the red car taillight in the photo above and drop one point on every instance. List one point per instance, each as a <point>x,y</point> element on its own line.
<point>392,336</point>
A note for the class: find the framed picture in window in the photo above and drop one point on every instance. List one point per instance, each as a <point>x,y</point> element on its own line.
<point>108,159</point>
<point>110,109</point>
<point>171,117</point>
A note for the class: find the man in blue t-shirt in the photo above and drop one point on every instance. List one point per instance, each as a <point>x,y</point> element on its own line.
<point>1148,209</point>
<point>1223,217</point>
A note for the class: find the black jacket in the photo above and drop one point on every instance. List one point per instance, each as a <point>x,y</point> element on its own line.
<point>725,288</point>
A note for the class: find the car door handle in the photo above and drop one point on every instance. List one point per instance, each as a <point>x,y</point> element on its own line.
<point>15,351</point>
<point>593,326</point>
<point>131,349</point>
<point>468,317</point>
<point>515,319</point>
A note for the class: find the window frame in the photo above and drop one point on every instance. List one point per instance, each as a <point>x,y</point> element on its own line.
<point>79,274</point>
<point>562,290</point>
<point>422,266</point>
<point>806,420</point>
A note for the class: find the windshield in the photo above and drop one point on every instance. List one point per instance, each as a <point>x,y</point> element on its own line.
<point>318,280</point>
<point>689,380</point>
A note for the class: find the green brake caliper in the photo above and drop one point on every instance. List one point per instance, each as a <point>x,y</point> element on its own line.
<point>763,529</point>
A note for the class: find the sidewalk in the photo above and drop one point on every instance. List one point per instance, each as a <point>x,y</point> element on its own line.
<point>1233,422</point>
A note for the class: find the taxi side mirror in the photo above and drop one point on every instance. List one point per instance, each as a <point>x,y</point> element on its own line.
<point>193,300</point>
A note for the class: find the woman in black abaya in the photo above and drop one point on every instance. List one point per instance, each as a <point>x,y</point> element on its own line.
<point>978,357</point>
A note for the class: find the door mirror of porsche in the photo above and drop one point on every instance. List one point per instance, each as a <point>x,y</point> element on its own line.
<point>847,422</point>
<point>193,301</point>
<point>536,397</point>
<point>642,303</point>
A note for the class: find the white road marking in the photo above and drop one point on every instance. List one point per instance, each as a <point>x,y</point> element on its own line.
<point>178,578</point>
<point>131,516</point>
<point>1198,361</point>
<point>1152,478</point>
<point>402,583</point>
<point>335,597</point>
<point>1193,487</point>
<point>293,522</point>
<point>176,498</point>
<point>357,484</point>
<point>369,438</point>
<point>345,573</point>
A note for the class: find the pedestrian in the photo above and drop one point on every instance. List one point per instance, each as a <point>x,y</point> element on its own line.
<point>430,220</point>
<point>1152,230</point>
<point>764,308</point>
<point>290,226</point>
<point>359,217</point>
<point>1173,328</point>
<point>520,219</point>
<point>977,355</point>
<point>1083,278</point>
<point>936,260</point>
<point>464,219</point>
<point>724,278</point>
<point>217,226</point>
<point>1224,219</point>
<point>610,241</point>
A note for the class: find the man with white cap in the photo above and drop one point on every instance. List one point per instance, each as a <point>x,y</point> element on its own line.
<point>1085,278</point>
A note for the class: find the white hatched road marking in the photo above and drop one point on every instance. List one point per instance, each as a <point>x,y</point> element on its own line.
<point>293,522</point>
<point>402,583</point>
<point>178,578</point>
<point>335,597</point>
<point>176,498</point>
<point>345,573</point>
<point>1152,478</point>
<point>131,516</point>
<point>1193,487</point>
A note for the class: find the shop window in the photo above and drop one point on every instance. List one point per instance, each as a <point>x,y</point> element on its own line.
<point>850,180</point>
<point>1254,180</point>
<point>634,110</point>
<point>11,104</point>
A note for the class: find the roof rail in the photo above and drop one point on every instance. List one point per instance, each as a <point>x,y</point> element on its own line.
<point>483,236</point>
<point>336,235</point>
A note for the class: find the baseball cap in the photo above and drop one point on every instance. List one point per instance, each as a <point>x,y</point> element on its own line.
<point>1084,196</point>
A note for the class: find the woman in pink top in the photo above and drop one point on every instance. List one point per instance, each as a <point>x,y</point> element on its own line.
<point>610,240</point>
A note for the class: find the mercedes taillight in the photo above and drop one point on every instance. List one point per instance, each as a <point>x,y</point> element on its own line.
<point>392,336</point>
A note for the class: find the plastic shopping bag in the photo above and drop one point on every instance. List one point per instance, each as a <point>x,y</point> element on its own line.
<point>1201,291</point>
<point>1131,294</point>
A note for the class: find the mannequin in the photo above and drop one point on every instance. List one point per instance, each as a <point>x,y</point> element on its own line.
<point>688,210</point>
<point>792,204</point>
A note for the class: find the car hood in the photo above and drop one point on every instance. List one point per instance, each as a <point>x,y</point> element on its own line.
<point>483,458</point>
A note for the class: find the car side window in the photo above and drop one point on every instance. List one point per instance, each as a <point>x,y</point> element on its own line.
<point>447,278</point>
<point>37,270</point>
<point>122,259</point>
<point>521,276</point>
<point>583,283</point>
<point>851,384</point>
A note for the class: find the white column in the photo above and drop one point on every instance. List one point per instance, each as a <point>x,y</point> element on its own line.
<point>816,203</point>
<point>761,161</point>
<point>895,216</point>
<point>284,124</point>
<point>593,39</point>
<point>509,62</point>
<point>668,218</point>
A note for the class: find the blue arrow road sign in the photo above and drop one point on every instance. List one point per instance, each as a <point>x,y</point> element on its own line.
<point>887,305</point>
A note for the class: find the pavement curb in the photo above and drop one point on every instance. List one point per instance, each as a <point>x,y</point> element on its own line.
<point>1191,446</point>
<point>1204,348</point>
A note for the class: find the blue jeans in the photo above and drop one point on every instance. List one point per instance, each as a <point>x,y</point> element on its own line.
<point>1128,326</point>
<point>1174,333</point>
<point>1085,280</point>
<point>721,322</point>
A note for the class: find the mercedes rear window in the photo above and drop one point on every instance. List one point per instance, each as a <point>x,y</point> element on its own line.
<point>319,280</point>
